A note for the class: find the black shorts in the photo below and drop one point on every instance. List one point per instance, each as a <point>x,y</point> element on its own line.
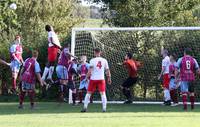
<point>129,82</point>
<point>191,87</point>
<point>71,85</point>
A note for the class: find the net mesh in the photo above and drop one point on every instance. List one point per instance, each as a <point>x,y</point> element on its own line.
<point>145,47</point>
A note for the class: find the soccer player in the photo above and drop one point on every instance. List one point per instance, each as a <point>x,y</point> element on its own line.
<point>172,84</point>
<point>165,76</point>
<point>29,72</point>
<point>83,70</point>
<point>62,71</point>
<point>132,67</point>
<point>98,66</point>
<point>53,49</point>
<point>16,61</point>
<point>72,70</point>
<point>188,66</point>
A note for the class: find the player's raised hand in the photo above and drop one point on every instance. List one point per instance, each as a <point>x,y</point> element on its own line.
<point>120,64</point>
<point>8,64</point>
<point>109,80</point>
<point>139,64</point>
<point>59,51</point>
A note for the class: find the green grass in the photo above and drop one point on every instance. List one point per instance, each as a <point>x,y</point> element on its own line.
<point>52,115</point>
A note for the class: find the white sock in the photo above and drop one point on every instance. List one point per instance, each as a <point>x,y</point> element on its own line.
<point>51,70</point>
<point>46,71</point>
<point>104,101</point>
<point>87,100</point>
<point>167,95</point>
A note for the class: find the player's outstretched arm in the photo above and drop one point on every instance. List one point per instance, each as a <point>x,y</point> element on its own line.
<point>108,74</point>
<point>21,73</point>
<point>40,79</point>
<point>161,73</point>
<point>176,75</point>
<point>73,56</point>
<point>89,72</point>
<point>139,64</point>
<point>4,62</point>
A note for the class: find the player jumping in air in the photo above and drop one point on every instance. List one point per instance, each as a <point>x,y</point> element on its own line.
<point>29,72</point>
<point>98,66</point>
<point>165,76</point>
<point>62,71</point>
<point>83,70</point>
<point>132,67</point>
<point>188,66</point>
<point>53,49</point>
<point>16,61</point>
<point>172,84</point>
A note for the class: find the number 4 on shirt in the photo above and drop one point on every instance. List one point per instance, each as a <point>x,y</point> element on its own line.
<point>99,64</point>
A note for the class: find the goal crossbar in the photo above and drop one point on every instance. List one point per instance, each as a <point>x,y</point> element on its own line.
<point>124,29</point>
<point>134,28</point>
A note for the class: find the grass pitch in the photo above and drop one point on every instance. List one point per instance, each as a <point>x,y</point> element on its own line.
<point>53,115</point>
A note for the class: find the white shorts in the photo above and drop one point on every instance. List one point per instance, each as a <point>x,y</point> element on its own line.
<point>15,66</point>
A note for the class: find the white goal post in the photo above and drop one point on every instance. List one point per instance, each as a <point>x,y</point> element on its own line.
<point>76,30</point>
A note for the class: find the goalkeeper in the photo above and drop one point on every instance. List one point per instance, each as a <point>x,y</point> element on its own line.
<point>132,67</point>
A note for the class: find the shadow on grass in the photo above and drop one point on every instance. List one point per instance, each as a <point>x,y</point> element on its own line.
<point>55,108</point>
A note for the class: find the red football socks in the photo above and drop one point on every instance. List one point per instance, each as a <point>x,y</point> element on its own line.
<point>184,98</point>
<point>21,98</point>
<point>192,99</point>
<point>14,82</point>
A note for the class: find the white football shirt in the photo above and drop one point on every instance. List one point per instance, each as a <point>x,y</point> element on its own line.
<point>55,39</point>
<point>99,65</point>
<point>166,63</point>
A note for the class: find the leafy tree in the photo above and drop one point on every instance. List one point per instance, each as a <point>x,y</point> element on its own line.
<point>8,17</point>
<point>138,13</point>
<point>29,20</point>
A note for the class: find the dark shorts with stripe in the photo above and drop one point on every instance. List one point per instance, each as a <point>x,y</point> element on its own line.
<point>71,85</point>
<point>129,82</point>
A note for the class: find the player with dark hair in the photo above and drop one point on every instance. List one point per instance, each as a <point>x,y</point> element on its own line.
<point>132,67</point>
<point>29,72</point>
<point>83,70</point>
<point>173,84</point>
<point>188,67</point>
<point>98,66</point>
<point>53,49</point>
<point>62,71</point>
<point>16,60</point>
<point>72,70</point>
<point>165,76</point>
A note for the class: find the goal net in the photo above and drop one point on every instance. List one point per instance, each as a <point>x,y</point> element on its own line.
<point>145,44</point>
